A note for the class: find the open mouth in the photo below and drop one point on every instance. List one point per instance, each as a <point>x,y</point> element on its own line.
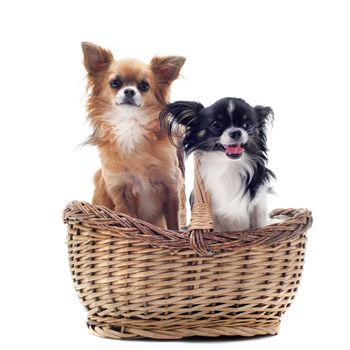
<point>233,151</point>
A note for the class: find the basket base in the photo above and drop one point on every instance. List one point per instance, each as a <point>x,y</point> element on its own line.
<point>117,332</point>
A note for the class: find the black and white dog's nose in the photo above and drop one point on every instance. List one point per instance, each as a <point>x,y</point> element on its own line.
<point>129,93</point>
<point>235,134</point>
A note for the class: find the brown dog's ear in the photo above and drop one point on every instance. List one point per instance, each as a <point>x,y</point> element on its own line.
<point>167,69</point>
<point>96,58</point>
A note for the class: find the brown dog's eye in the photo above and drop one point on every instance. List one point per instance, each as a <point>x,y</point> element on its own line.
<point>116,83</point>
<point>143,86</point>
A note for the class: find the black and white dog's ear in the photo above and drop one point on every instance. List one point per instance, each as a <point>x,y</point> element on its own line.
<point>264,113</point>
<point>181,112</point>
<point>176,117</point>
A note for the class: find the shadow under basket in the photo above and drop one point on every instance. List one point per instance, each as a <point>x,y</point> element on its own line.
<point>136,280</point>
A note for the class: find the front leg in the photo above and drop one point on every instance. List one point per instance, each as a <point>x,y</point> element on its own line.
<point>217,226</point>
<point>171,212</point>
<point>171,206</point>
<point>101,196</point>
<point>259,215</point>
<point>124,201</point>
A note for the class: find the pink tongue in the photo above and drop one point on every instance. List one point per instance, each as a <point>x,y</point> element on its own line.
<point>234,149</point>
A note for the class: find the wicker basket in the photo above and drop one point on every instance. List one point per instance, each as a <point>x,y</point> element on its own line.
<point>136,280</point>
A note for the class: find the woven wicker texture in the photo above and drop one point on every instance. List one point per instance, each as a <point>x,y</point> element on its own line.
<point>136,280</point>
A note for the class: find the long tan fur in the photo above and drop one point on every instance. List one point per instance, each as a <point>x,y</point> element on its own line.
<point>139,172</point>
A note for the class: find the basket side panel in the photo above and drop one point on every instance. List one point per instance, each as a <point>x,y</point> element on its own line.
<point>154,294</point>
<point>131,289</point>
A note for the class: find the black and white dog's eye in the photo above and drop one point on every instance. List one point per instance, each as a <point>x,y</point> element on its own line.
<point>116,83</point>
<point>216,125</point>
<point>143,86</point>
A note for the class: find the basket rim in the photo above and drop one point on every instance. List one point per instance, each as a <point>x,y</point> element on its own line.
<point>105,223</point>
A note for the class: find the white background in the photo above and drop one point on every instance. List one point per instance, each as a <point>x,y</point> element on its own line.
<point>293,56</point>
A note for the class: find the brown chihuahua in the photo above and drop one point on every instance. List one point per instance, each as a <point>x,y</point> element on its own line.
<point>140,173</point>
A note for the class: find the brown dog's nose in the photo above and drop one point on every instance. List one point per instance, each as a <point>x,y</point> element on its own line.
<point>129,92</point>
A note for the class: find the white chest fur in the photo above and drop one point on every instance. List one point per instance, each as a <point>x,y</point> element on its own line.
<point>129,127</point>
<point>232,209</point>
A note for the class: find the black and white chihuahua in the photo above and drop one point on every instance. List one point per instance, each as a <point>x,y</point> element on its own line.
<point>230,136</point>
